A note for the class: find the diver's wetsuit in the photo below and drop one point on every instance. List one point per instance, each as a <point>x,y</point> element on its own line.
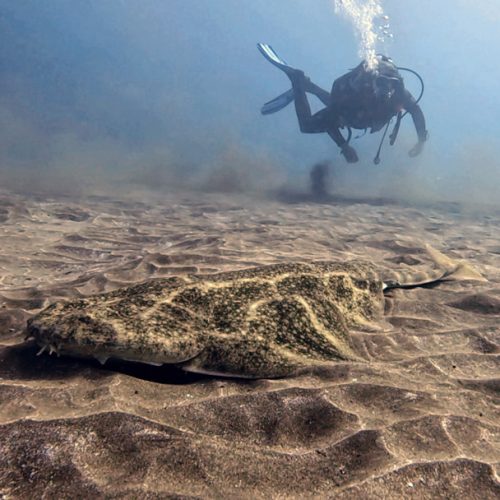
<point>352,105</point>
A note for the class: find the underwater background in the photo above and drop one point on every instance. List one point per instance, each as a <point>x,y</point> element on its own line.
<point>168,92</point>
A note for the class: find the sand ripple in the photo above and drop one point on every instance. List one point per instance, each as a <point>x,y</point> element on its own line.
<point>420,420</point>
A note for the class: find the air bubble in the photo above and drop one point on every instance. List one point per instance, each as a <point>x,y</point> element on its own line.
<point>370,23</point>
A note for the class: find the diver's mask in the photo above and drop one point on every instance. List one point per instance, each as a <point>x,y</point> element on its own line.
<point>384,87</point>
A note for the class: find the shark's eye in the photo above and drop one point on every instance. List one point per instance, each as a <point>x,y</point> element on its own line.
<point>362,284</point>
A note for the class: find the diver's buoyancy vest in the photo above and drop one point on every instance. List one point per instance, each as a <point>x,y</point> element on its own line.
<point>352,96</point>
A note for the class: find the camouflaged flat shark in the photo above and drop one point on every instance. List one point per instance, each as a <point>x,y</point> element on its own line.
<point>263,322</point>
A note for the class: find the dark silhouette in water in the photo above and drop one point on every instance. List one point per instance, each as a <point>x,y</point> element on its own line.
<point>321,178</point>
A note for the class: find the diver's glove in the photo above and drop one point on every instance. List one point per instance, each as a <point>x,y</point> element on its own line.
<point>418,148</point>
<point>349,153</point>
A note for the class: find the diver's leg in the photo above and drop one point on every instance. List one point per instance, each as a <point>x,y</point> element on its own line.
<point>308,123</point>
<point>316,90</point>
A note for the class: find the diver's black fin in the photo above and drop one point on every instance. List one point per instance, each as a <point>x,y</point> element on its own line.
<point>278,103</point>
<point>268,52</point>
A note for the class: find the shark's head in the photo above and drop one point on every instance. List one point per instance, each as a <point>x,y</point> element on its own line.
<point>66,328</point>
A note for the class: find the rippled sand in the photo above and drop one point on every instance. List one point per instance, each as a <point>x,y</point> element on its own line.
<point>420,420</point>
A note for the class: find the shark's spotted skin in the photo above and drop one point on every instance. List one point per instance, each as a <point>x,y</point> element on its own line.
<point>261,322</point>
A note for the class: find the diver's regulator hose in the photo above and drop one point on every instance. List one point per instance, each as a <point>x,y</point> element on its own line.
<point>400,116</point>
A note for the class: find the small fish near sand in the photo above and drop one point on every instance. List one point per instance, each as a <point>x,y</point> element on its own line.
<point>262,322</point>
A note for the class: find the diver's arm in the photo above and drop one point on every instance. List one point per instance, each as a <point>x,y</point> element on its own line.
<point>419,121</point>
<point>348,151</point>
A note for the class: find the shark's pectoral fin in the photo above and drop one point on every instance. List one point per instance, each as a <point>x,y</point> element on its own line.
<point>198,364</point>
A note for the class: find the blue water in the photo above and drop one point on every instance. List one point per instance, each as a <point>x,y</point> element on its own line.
<point>176,84</point>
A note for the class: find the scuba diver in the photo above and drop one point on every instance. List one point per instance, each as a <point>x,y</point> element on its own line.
<point>363,98</point>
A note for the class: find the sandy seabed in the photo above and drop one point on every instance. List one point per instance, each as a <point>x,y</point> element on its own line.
<point>420,419</point>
